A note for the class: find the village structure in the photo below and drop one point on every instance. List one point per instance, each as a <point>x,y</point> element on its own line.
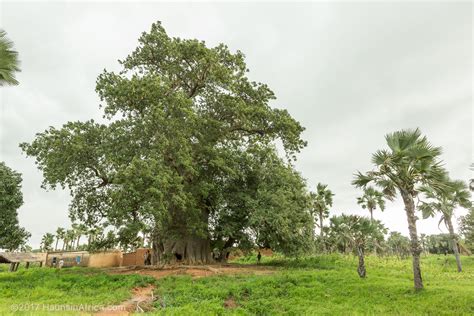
<point>105,259</point>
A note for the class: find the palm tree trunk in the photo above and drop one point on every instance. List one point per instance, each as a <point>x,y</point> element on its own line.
<point>321,225</point>
<point>321,233</point>
<point>78,239</point>
<point>415,245</point>
<point>56,247</point>
<point>453,241</point>
<point>361,267</point>
<point>371,214</point>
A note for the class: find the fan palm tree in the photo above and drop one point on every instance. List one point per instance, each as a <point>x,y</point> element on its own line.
<point>456,195</point>
<point>410,161</point>
<point>79,230</point>
<point>60,232</point>
<point>9,63</point>
<point>47,241</point>
<point>339,237</point>
<point>95,235</point>
<point>398,244</point>
<point>70,237</point>
<point>321,202</point>
<point>371,199</point>
<point>361,229</point>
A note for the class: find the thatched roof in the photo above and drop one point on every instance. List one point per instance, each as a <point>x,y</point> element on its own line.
<point>9,257</point>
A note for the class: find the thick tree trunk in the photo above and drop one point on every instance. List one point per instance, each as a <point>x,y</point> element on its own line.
<point>454,243</point>
<point>56,247</point>
<point>415,245</point>
<point>361,268</point>
<point>186,249</point>
<point>371,214</point>
<point>225,251</point>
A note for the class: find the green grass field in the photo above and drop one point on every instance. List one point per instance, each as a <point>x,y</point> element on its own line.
<point>326,285</point>
<point>309,286</point>
<point>39,291</point>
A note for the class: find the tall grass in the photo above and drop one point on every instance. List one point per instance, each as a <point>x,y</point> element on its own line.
<point>326,284</point>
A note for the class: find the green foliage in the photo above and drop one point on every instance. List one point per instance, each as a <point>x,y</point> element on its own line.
<point>186,127</point>
<point>9,63</point>
<point>47,242</point>
<point>456,194</point>
<point>268,199</point>
<point>326,285</point>
<point>321,201</point>
<point>371,199</point>
<point>398,245</point>
<point>12,236</point>
<point>410,162</point>
<point>349,232</point>
<point>466,227</point>
<point>439,244</point>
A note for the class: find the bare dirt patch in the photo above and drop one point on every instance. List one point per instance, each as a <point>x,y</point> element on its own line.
<point>142,298</point>
<point>193,271</point>
<point>230,303</point>
<point>141,301</point>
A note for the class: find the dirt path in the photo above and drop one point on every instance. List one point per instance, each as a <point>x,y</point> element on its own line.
<point>142,298</point>
<point>193,271</point>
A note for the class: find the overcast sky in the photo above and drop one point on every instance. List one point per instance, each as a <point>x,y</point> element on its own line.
<point>349,72</point>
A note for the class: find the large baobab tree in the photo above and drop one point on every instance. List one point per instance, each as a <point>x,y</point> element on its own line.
<point>187,150</point>
<point>409,163</point>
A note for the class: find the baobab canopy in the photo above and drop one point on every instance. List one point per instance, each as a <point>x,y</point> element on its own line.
<point>188,152</point>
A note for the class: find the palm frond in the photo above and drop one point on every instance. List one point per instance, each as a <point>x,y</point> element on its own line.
<point>381,157</point>
<point>361,180</point>
<point>427,209</point>
<point>9,63</point>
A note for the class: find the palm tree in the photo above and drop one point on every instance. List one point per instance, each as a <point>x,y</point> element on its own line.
<point>456,195</point>
<point>79,230</point>
<point>60,232</point>
<point>95,235</point>
<point>47,241</point>
<point>70,237</point>
<point>339,237</point>
<point>371,199</point>
<point>321,202</point>
<point>398,244</point>
<point>360,230</point>
<point>410,161</point>
<point>9,63</point>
